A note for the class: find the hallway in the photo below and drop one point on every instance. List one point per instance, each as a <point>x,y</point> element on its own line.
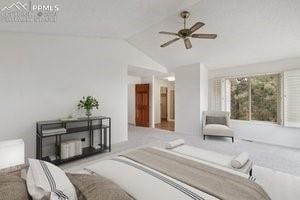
<point>166,125</point>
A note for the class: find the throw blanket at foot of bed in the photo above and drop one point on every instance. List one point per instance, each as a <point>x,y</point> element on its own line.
<point>213,181</point>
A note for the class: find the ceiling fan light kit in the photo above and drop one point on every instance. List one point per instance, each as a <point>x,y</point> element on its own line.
<point>187,33</point>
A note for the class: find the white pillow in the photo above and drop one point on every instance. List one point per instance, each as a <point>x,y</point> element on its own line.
<point>175,143</point>
<point>239,161</point>
<point>47,180</point>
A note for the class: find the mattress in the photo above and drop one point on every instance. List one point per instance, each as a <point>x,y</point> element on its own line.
<point>145,183</point>
<point>278,185</point>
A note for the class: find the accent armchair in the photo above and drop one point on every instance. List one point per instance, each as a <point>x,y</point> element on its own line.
<point>216,123</point>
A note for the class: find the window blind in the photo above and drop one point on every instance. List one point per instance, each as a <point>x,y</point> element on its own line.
<point>220,96</point>
<point>292,98</point>
<point>225,95</point>
<point>216,96</point>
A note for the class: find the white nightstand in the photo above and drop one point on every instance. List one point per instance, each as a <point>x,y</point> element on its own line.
<point>12,156</point>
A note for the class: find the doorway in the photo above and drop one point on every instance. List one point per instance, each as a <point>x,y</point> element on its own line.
<point>172,104</point>
<point>164,104</point>
<point>167,109</point>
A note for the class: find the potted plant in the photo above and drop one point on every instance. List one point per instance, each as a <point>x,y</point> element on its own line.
<point>88,103</point>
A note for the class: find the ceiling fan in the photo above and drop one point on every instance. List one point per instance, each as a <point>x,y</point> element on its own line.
<point>187,33</point>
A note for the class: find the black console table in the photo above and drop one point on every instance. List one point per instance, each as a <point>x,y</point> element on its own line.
<point>89,125</point>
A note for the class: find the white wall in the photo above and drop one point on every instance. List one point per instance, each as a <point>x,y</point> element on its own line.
<point>203,91</point>
<point>132,80</point>
<point>191,91</point>
<point>257,68</point>
<point>158,83</point>
<point>43,77</point>
<point>265,132</point>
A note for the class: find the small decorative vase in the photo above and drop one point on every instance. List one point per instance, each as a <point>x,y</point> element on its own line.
<point>88,112</point>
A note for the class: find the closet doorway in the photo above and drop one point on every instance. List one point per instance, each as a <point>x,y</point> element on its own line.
<point>167,109</point>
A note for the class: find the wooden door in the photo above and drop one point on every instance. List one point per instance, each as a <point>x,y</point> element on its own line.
<point>142,105</point>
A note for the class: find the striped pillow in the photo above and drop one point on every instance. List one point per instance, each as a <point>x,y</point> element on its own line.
<point>45,180</point>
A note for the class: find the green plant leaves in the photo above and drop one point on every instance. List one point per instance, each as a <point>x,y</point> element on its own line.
<point>88,103</point>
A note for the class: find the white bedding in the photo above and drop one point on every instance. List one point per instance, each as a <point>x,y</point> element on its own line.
<point>143,186</point>
<point>187,155</point>
<point>140,184</point>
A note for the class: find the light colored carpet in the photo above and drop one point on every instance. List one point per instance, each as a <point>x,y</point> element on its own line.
<point>270,161</point>
<point>270,156</point>
<point>279,158</point>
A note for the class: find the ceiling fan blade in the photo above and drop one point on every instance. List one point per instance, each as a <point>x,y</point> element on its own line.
<point>205,36</point>
<point>170,42</point>
<point>168,33</point>
<point>187,43</point>
<point>196,26</point>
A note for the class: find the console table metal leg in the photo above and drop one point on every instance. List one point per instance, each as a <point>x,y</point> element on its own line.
<point>105,138</point>
<point>90,133</point>
<point>101,142</point>
<point>37,142</point>
<point>56,147</point>
<point>41,148</point>
<point>59,146</point>
<point>92,137</point>
<point>109,135</point>
<point>37,147</point>
<point>101,131</point>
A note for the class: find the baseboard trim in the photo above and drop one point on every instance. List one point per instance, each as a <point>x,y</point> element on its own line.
<point>269,143</point>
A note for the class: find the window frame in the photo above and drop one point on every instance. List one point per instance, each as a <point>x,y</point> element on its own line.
<point>279,99</point>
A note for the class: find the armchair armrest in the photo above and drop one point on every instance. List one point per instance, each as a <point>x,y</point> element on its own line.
<point>228,120</point>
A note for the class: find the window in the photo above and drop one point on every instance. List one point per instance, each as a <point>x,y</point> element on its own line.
<point>240,98</point>
<point>272,98</point>
<point>265,98</point>
<point>255,98</point>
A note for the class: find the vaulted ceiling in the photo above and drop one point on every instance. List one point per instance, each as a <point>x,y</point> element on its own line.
<point>102,18</point>
<point>248,30</point>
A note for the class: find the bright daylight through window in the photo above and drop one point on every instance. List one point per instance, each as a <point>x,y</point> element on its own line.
<point>255,98</point>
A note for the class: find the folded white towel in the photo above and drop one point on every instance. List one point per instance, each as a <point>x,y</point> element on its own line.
<point>239,161</point>
<point>174,143</point>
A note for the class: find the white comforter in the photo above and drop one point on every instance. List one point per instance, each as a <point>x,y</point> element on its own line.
<point>143,186</point>
<point>140,184</point>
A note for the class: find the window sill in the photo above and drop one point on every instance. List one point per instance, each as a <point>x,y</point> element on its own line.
<point>255,122</point>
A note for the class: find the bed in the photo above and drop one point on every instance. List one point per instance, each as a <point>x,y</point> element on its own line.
<point>148,173</point>
<point>155,173</point>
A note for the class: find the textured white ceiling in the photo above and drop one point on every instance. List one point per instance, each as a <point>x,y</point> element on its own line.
<point>103,18</point>
<point>249,31</point>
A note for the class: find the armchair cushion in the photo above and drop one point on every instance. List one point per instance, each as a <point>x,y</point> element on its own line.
<point>217,130</point>
<point>216,120</point>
